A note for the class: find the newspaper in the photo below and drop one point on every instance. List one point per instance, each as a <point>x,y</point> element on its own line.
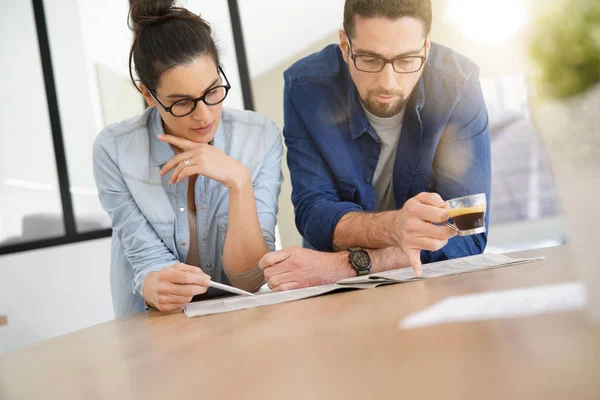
<point>432,270</point>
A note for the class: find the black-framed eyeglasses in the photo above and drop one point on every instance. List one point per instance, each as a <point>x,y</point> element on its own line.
<point>373,64</point>
<point>213,96</point>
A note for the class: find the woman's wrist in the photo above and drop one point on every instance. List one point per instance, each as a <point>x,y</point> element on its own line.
<point>148,289</point>
<point>242,179</point>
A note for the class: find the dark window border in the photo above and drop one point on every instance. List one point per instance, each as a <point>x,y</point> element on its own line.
<point>71,235</point>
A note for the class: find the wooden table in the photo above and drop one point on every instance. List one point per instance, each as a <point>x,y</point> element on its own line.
<point>341,346</point>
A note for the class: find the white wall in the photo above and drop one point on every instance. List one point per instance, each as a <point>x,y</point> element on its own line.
<point>276,30</point>
<point>50,292</point>
<point>277,33</point>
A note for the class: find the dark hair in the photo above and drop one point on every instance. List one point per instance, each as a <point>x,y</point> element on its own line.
<point>166,36</point>
<point>391,9</point>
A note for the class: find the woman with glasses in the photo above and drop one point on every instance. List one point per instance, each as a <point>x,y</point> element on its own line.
<point>191,187</point>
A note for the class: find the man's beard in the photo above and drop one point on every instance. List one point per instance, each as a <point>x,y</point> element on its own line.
<point>384,110</point>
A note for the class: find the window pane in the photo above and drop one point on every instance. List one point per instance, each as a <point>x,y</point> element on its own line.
<point>522,186</point>
<point>89,41</point>
<point>30,206</point>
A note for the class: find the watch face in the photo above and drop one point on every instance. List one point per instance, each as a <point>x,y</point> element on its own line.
<point>361,259</point>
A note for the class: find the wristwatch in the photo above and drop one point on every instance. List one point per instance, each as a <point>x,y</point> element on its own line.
<point>359,260</point>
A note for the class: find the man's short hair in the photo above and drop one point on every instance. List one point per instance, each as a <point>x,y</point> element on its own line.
<point>391,9</point>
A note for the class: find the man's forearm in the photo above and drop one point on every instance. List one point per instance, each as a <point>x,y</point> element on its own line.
<point>367,230</point>
<point>388,258</point>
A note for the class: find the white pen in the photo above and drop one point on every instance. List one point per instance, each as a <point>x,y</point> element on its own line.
<point>230,289</point>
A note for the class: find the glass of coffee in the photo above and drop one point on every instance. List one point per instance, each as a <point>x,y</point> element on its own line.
<point>467,214</point>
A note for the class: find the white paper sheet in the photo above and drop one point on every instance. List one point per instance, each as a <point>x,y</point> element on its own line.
<point>244,302</point>
<point>500,304</point>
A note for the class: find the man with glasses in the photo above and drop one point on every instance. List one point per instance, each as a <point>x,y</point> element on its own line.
<point>380,131</point>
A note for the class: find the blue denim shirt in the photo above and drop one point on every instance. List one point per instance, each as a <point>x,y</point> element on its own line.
<point>444,144</point>
<point>150,217</point>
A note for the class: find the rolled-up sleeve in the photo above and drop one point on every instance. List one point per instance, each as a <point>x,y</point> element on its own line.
<point>462,165</point>
<point>317,204</point>
<point>143,247</point>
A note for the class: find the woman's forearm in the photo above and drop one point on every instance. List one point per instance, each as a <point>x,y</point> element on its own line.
<point>244,242</point>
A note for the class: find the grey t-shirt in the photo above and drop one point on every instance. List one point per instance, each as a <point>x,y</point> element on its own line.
<point>388,130</point>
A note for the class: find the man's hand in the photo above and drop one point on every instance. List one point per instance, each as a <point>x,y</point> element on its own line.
<point>172,287</point>
<point>295,268</point>
<point>205,160</point>
<point>412,227</point>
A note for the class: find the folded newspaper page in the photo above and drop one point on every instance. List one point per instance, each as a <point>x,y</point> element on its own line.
<point>432,270</point>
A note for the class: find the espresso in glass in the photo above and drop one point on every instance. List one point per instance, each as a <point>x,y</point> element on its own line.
<point>468,214</point>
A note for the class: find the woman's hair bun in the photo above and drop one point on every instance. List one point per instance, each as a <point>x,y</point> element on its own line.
<point>164,36</point>
<point>148,12</point>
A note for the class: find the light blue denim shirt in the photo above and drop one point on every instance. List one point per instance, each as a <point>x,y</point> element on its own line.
<point>150,216</point>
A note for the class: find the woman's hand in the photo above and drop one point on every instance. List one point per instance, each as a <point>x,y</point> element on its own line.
<point>206,160</point>
<point>174,286</point>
